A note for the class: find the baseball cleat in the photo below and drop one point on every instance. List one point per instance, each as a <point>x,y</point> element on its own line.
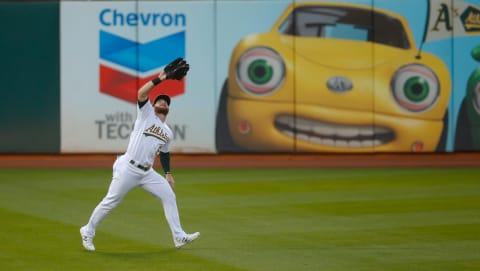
<point>188,238</point>
<point>87,239</point>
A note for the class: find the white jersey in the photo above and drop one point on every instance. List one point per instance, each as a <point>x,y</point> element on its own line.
<point>149,137</point>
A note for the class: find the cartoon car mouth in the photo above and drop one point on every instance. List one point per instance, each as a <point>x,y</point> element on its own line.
<point>333,135</point>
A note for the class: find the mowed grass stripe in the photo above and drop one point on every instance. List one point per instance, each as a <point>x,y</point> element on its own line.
<point>349,206</point>
<point>31,243</point>
<point>275,219</point>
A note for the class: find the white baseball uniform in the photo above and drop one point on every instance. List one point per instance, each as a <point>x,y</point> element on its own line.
<point>134,168</point>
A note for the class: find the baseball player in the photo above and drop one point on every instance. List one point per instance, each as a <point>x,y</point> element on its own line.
<point>150,137</point>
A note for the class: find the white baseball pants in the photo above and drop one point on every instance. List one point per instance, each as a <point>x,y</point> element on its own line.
<point>126,177</point>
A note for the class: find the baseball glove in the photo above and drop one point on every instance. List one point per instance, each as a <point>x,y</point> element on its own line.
<point>177,69</point>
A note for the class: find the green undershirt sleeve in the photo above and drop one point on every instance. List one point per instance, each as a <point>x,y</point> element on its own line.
<point>165,161</point>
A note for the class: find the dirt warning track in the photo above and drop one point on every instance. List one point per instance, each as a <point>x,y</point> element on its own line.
<point>251,160</point>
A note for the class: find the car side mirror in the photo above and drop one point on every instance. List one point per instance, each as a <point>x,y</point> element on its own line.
<point>476,53</point>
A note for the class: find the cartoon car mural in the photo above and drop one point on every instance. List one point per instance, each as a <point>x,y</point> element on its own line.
<point>467,133</point>
<point>333,77</point>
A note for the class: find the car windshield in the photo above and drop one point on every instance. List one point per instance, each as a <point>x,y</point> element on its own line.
<point>345,23</point>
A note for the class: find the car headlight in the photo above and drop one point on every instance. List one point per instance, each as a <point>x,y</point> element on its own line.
<point>415,87</point>
<point>260,71</point>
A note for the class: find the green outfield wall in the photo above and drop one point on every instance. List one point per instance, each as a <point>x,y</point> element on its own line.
<point>30,76</point>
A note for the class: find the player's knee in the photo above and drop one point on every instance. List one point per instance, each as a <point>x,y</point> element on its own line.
<point>170,197</point>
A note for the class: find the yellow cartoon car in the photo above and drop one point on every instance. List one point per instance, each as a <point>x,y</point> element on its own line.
<point>332,77</point>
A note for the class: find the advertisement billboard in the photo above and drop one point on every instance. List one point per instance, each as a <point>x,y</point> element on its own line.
<point>276,76</point>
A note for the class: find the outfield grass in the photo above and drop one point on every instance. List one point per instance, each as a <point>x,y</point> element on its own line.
<point>255,219</point>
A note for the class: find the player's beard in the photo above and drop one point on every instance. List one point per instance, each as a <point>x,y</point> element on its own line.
<point>162,110</point>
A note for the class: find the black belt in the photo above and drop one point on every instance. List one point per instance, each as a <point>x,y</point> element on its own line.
<point>140,166</point>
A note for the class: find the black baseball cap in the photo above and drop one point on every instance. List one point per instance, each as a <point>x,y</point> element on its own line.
<point>164,97</point>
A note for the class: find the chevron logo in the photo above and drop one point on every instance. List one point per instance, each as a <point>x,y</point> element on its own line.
<point>127,65</point>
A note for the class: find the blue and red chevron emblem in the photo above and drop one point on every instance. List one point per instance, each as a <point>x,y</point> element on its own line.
<point>140,59</point>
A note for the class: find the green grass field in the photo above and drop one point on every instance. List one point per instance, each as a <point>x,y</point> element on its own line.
<point>255,219</point>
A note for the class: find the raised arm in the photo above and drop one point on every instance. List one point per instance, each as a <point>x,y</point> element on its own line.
<point>176,70</point>
<point>143,92</point>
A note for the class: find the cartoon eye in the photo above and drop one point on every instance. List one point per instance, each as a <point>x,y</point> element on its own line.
<point>415,87</point>
<point>260,71</point>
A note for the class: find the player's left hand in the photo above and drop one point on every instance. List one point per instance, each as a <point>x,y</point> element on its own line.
<point>177,69</point>
<point>170,181</point>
